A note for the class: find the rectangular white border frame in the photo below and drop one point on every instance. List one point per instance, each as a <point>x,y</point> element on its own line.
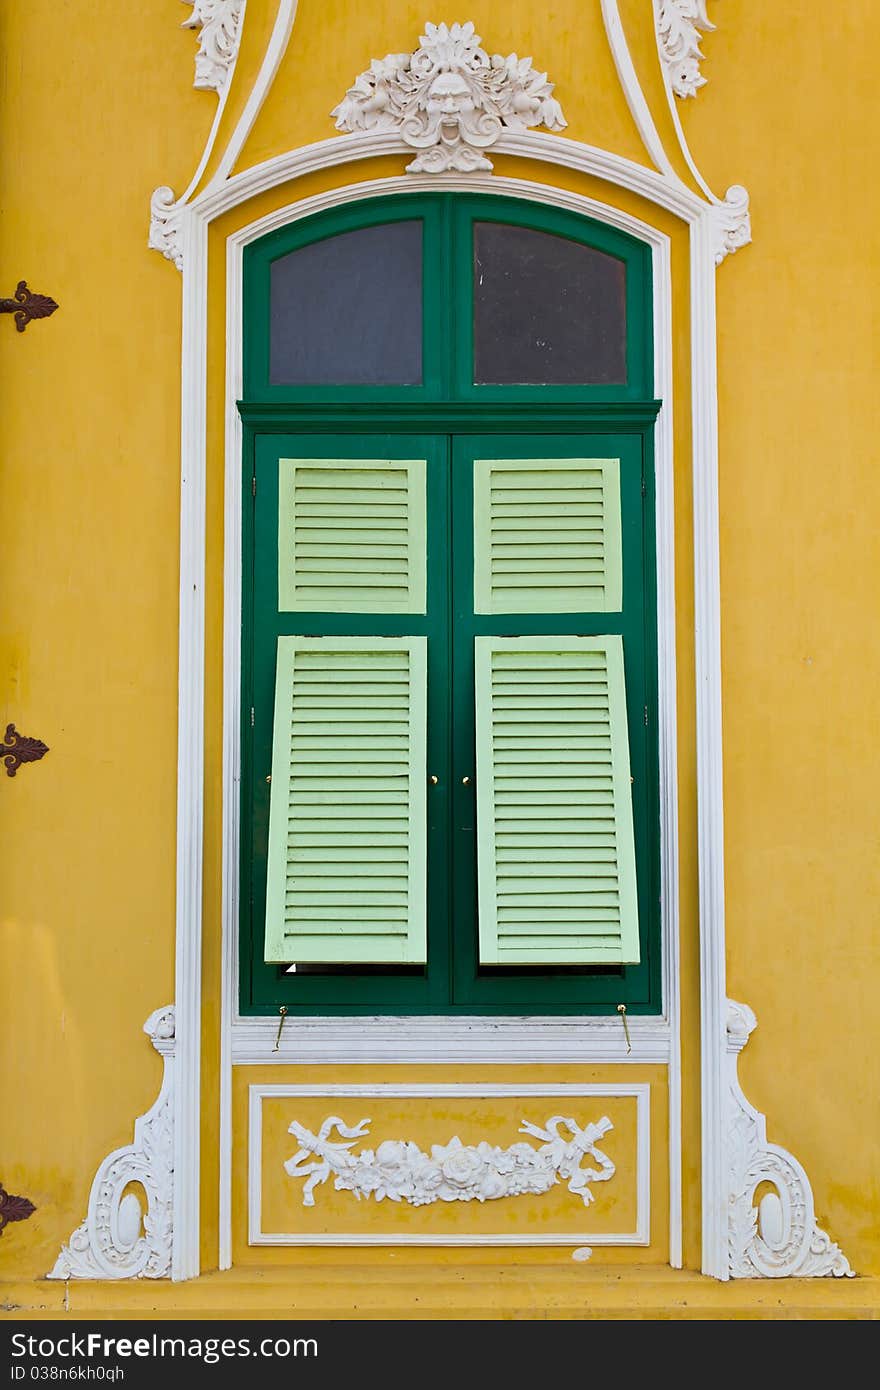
<point>641,1091</point>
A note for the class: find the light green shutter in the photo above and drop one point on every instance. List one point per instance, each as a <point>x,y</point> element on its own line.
<point>347,836</point>
<point>547,536</point>
<point>351,535</point>
<point>557,876</point>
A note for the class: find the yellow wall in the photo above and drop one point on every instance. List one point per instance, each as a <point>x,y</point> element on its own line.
<point>93,119</point>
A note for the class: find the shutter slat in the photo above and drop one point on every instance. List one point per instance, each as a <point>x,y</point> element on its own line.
<point>346,870</point>
<point>547,536</point>
<point>556,855</point>
<point>351,535</point>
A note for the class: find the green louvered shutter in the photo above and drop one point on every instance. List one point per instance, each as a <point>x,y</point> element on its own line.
<point>351,535</point>
<point>547,536</point>
<point>347,835</point>
<point>556,859</point>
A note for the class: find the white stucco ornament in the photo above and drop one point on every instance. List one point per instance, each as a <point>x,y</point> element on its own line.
<point>679,24</point>
<point>732,222</point>
<point>127,1234</point>
<point>453,1172</point>
<point>778,1237</point>
<point>449,100</point>
<point>219,26</point>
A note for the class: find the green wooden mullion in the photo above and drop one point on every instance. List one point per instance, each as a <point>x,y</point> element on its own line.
<point>458,417</point>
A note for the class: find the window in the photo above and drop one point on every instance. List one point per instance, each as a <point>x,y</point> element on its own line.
<point>449,772</point>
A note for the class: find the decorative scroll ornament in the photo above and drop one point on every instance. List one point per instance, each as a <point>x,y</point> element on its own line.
<point>733,225</point>
<point>449,100</point>
<point>27,305</point>
<point>679,23</point>
<point>13,1208</point>
<point>779,1237</point>
<point>452,1172</point>
<point>165,218</point>
<point>17,748</point>
<point>118,1239</point>
<point>219,25</point>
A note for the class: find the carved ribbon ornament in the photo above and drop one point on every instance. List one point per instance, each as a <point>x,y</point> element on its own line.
<point>452,1172</point>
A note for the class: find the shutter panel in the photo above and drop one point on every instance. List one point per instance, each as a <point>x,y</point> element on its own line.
<point>347,817</point>
<point>557,876</point>
<point>547,536</point>
<point>351,535</point>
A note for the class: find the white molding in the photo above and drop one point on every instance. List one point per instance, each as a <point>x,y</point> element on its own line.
<point>635,97</point>
<point>275,51</point>
<point>166,211</point>
<point>119,1239</point>
<point>482,1040</point>
<point>679,24</point>
<point>641,1235</point>
<point>449,100</point>
<point>219,26</point>
<point>778,1238</point>
<point>673,195</point>
<point>449,1041</point>
<point>190,749</point>
<point>710,797</point>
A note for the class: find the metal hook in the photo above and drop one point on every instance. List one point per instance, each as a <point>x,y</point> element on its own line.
<point>621,1009</point>
<point>283,1012</point>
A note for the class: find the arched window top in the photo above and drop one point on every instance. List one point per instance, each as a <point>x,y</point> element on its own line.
<point>445,297</point>
<point>347,310</point>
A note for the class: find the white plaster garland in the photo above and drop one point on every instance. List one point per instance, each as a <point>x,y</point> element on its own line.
<point>118,1239</point>
<point>779,1237</point>
<point>219,25</point>
<point>452,1172</point>
<point>449,100</point>
<point>679,24</point>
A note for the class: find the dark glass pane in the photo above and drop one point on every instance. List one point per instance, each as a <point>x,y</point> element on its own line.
<point>546,310</point>
<point>348,310</point>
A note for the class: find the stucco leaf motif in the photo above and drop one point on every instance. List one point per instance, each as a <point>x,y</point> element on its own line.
<point>679,25</point>
<point>777,1237</point>
<point>219,25</point>
<point>455,1172</point>
<point>449,100</point>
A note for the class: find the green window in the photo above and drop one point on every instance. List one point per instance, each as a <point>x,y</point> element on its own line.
<point>449,744</point>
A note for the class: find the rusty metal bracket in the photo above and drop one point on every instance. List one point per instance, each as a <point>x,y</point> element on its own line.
<point>27,305</point>
<point>17,748</point>
<point>13,1208</point>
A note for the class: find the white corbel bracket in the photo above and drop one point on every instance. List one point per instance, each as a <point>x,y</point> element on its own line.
<point>731,222</point>
<point>779,1237</point>
<point>119,1239</point>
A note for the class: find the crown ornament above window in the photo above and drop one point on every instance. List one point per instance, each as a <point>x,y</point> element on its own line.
<point>449,100</point>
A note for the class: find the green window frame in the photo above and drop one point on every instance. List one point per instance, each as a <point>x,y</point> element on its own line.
<point>449,423</point>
